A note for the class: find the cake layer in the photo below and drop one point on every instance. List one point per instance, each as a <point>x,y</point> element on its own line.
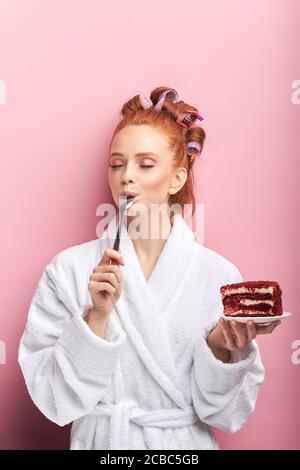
<point>251,295</point>
<point>248,313</point>
<point>236,305</point>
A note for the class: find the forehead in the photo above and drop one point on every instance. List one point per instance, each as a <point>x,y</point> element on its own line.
<point>143,138</point>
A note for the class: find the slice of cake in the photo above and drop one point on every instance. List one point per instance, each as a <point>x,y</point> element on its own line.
<point>252,298</point>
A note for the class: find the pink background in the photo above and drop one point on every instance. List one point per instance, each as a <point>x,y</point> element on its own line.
<point>68,67</point>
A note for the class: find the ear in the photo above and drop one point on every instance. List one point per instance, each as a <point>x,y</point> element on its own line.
<point>178,180</point>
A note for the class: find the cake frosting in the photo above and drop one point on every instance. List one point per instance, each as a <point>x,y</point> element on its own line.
<point>252,298</point>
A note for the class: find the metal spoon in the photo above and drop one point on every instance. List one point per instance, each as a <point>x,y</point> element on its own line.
<point>127,201</point>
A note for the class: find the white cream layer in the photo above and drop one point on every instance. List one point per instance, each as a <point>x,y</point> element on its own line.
<point>255,302</point>
<point>247,290</point>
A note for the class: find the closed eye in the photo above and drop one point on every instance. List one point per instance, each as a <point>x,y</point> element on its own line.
<point>142,166</point>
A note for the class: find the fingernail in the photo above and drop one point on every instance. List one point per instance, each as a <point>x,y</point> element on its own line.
<point>250,323</point>
<point>222,320</point>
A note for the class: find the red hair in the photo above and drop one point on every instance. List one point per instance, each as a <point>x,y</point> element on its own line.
<point>134,114</point>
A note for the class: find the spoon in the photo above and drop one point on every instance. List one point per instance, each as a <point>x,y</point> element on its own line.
<point>127,202</point>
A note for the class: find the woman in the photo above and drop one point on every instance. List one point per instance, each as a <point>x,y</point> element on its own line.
<point>131,348</point>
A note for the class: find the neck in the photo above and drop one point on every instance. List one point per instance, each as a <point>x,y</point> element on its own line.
<point>150,234</point>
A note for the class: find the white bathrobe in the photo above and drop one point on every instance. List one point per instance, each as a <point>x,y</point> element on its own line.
<point>153,382</point>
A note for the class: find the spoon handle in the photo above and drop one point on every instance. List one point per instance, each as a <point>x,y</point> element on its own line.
<point>117,239</point>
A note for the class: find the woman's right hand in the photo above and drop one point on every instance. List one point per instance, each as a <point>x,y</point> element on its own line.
<point>105,282</point>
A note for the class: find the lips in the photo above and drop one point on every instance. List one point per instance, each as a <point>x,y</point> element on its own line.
<point>130,194</point>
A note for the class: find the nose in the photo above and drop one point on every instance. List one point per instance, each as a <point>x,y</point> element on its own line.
<point>128,175</point>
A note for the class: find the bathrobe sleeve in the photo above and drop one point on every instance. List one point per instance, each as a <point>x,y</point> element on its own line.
<point>66,367</point>
<point>224,394</point>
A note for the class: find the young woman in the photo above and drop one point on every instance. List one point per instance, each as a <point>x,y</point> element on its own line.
<point>129,345</point>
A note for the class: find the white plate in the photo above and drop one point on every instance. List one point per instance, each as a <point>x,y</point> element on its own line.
<point>257,319</point>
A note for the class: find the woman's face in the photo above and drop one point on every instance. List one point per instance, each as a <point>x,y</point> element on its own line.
<point>140,161</point>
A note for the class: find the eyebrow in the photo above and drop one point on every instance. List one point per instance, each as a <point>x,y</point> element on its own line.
<point>140,154</point>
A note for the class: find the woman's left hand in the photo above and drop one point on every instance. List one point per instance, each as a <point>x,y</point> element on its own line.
<point>233,335</point>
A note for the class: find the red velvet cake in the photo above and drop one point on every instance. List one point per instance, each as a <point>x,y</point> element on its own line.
<point>252,298</point>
